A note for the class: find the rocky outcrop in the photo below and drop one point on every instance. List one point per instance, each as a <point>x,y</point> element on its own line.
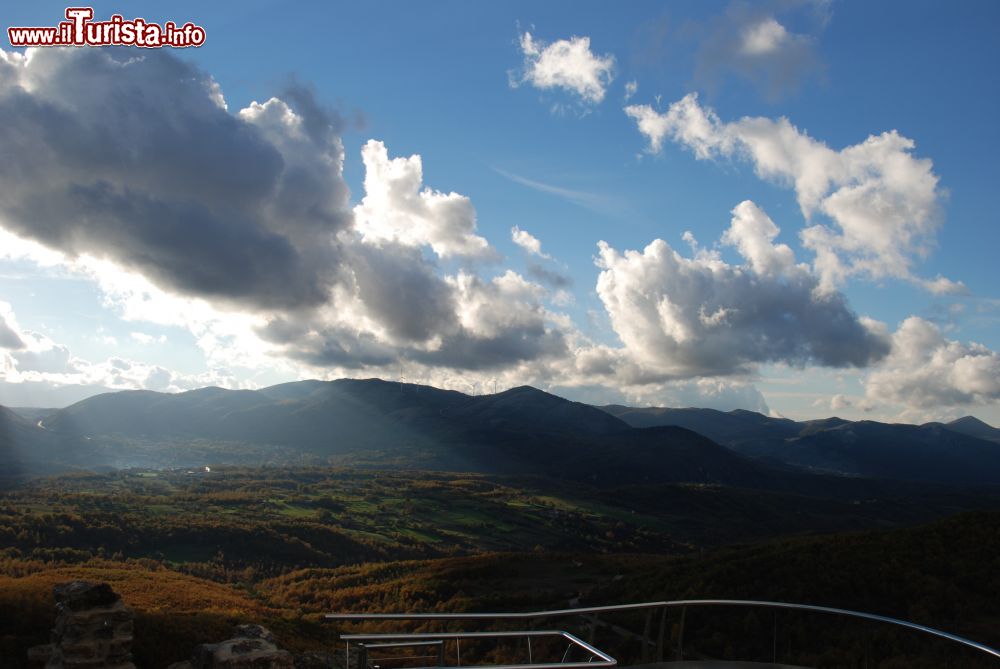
<point>252,647</point>
<point>93,630</point>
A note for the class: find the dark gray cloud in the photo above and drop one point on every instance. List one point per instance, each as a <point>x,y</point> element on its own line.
<point>320,122</point>
<point>402,292</point>
<point>462,323</point>
<point>136,160</point>
<point>325,345</point>
<point>181,244</point>
<point>549,277</point>
<point>513,345</point>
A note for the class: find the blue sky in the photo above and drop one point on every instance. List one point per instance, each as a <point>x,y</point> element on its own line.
<point>833,163</point>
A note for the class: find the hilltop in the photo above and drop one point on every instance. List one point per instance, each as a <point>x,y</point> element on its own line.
<point>520,431</point>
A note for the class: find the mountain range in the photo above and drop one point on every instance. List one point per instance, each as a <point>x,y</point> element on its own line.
<point>966,450</point>
<point>521,431</point>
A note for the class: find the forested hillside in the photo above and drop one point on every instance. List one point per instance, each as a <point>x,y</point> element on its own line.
<point>195,551</point>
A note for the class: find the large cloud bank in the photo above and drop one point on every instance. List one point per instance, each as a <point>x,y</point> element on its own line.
<point>138,162</point>
<point>700,316</point>
<point>238,226</point>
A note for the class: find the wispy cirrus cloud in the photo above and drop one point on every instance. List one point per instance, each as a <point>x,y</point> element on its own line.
<point>597,202</point>
<point>631,88</point>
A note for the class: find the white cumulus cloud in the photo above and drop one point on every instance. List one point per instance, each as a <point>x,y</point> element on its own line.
<point>684,317</point>
<point>527,241</point>
<point>43,372</point>
<point>397,208</point>
<point>926,370</point>
<point>764,37</point>
<point>567,64</point>
<point>872,209</point>
<point>714,393</point>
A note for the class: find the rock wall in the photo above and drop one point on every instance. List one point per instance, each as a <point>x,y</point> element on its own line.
<point>93,630</point>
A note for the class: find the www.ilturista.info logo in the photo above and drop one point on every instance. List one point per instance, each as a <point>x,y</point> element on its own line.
<point>80,30</point>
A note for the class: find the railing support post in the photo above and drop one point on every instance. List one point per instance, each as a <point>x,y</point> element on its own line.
<point>680,635</point>
<point>774,649</point>
<point>659,638</point>
<point>645,636</point>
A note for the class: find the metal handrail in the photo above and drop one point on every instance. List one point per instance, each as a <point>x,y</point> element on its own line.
<point>665,605</point>
<point>419,638</point>
<point>491,616</point>
<point>401,644</point>
<point>439,656</point>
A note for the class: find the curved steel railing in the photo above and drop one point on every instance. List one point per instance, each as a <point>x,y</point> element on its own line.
<point>603,660</point>
<point>843,612</point>
<point>594,611</point>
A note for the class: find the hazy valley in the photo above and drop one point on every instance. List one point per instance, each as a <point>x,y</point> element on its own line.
<point>521,431</point>
<point>214,506</point>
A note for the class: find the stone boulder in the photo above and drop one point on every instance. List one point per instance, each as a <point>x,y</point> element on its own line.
<point>93,630</point>
<point>252,647</point>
